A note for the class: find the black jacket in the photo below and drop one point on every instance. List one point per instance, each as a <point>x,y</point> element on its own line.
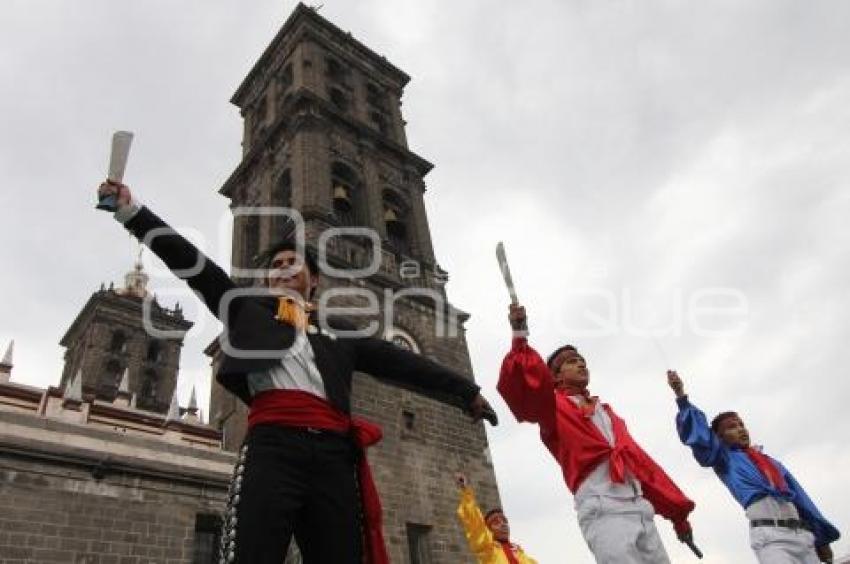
<point>250,327</point>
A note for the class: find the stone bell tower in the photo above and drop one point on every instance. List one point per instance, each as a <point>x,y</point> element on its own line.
<point>109,337</point>
<point>324,134</point>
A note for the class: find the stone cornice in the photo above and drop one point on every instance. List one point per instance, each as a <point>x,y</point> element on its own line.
<point>302,15</point>
<point>110,301</point>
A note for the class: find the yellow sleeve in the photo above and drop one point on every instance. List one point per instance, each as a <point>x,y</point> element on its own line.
<point>478,535</point>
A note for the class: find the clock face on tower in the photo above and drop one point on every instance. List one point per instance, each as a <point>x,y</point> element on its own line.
<point>401,339</point>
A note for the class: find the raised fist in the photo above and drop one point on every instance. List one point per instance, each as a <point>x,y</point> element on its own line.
<point>675,383</point>
<point>121,191</point>
<point>517,317</point>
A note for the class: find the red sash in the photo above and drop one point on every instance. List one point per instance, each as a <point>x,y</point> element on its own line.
<point>293,408</point>
<point>768,469</point>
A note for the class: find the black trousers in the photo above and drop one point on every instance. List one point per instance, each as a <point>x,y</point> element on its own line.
<point>287,482</point>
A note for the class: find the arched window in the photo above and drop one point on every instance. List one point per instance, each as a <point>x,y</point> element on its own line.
<point>339,99</point>
<point>335,70</point>
<point>118,344</point>
<point>380,121</point>
<point>113,367</point>
<point>154,353</point>
<point>147,398</point>
<point>395,221</point>
<point>344,188</point>
<point>110,380</point>
<point>374,96</point>
<point>376,100</point>
<point>286,77</point>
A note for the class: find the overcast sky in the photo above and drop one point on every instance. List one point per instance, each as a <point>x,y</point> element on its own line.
<point>642,161</point>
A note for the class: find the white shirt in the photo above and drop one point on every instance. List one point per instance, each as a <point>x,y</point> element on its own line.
<point>598,482</point>
<point>296,371</point>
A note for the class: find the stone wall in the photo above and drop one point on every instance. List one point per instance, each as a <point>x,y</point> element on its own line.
<point>98,493</point>
<point>58,512</point>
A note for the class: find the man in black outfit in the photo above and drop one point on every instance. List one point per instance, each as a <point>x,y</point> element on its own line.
<point>299,467</point>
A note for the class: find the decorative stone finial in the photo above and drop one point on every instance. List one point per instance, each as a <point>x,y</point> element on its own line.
<point>173,409</point>
<point>74,388</point>
<point>192,410</point>
<point>6,363</point>
<point>193,402</point>
<point>7,358</point>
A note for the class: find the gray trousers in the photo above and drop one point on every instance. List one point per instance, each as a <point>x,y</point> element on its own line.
<point>621,531</point>
<point>778,545</point>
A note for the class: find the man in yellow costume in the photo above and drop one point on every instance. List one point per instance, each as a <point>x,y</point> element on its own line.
<point>488,536</point>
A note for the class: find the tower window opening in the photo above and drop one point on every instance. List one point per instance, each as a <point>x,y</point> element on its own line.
<point>149,390</point>
<point>118,343</point>
<point>343,207</point>
<point>286,77</point>
<point>394,220</point>
<point>335,70</point>
<point>154,351</point>
<point>339,99</point>
<point>374,96</point>
<point>343,193</point>
<point>110,380</point>
<point>380,121</point>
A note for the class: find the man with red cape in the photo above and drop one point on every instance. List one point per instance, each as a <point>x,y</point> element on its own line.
<point>616,486</point>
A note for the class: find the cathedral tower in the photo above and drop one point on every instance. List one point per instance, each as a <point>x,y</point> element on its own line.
<point>109,337</point>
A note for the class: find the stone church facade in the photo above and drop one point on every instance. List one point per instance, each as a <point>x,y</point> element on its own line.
<point>323,135</point>
<point>90,480</point>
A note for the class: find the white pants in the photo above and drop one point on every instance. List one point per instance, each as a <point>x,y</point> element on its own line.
<point>778,545</point>
<point>621,531</point>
